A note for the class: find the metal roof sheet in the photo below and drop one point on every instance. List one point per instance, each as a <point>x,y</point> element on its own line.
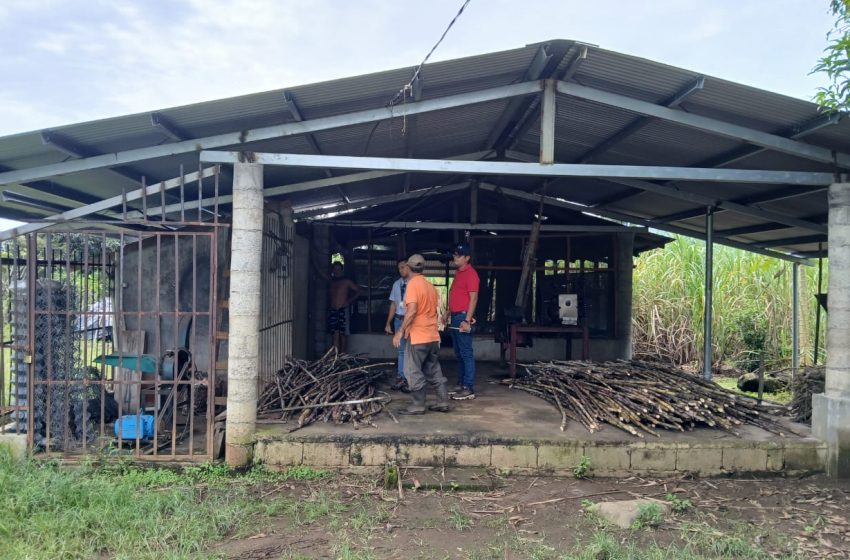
<point>580,126</point>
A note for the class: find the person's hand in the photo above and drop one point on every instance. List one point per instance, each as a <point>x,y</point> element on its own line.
<point>388,328</point>
<point>397,339</point>
<point>465,327</point>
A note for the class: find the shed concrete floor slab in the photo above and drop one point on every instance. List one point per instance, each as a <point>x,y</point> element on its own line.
<point>500,413</point>
<point>509,429</point>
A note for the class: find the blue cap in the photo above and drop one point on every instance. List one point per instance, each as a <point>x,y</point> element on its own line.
<point>462,249</point>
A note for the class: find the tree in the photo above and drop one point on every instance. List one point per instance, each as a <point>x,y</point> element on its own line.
<point>836,61</point>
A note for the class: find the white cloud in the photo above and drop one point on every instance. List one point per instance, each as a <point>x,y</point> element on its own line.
<point>66,60</point>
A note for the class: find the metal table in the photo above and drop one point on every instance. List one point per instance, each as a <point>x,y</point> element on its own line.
<point>517,328</point>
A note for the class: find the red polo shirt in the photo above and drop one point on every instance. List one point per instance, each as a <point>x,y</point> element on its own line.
<point>466,281</point>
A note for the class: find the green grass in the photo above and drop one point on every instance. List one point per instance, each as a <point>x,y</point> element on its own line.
<point>731,383</point>
<point>122,511</point>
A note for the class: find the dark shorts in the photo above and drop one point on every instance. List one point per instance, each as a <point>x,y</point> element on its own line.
<point>336,321</point>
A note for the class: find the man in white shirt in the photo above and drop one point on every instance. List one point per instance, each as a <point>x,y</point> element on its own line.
<point>395,317</point>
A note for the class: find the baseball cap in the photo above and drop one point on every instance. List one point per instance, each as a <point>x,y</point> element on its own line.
<point>462,249</point>
<point>416,261</point>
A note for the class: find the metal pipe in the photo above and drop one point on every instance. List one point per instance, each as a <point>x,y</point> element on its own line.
<point>817,306</point>
<point>795,319</point>
<point>709,281</point>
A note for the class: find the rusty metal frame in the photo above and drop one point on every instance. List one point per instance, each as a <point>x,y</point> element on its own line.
<point>67,379</point>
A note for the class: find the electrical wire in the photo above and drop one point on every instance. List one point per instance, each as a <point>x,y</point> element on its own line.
<point>407,87</point>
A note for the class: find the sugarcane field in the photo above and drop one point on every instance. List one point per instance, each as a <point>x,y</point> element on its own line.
<point>441,284</point>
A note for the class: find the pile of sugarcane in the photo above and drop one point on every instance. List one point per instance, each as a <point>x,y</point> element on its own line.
<point>809,381</point>
<point>336,388</point>
<point>640,397</point>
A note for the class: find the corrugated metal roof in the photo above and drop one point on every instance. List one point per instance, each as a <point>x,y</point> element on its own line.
<point>580,126</point>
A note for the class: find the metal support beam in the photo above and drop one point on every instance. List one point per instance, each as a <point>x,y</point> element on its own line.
<point>460,226</point>
<point>169,128</point>
<point>520,114</point>
<point>547,124</point>
<point>639,123</point>
<point>795,319</point>
<point>706,124</point>
<point>575,65</point>
<point>297,116</point>
<point>739,154</point>
<point>108,203</point>
<point>770,196</point>
<point>707,354</point>
<point>742,209</point>
<point>795,133</point>
<point>308,213</point>
<point>73,149</point>
<point>296,187</point>
<point>517,107</point>
<point>678,194</point>
<point>769,226</point>
<point>618,172</point>
<point>632,219</point>
<point>278,131</point>
<point>791,241</point>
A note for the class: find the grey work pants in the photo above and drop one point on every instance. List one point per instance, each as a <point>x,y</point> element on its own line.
<point>421,365</point>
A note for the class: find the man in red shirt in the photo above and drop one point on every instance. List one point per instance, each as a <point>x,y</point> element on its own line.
<point>463,298</point>
<point>419,327</point>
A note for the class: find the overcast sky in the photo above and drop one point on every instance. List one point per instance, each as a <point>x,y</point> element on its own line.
<point>67,61</point>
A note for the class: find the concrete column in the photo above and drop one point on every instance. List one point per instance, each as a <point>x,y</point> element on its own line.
<point>624,247</point>
<point>245,301</point>
<point>831,409</point>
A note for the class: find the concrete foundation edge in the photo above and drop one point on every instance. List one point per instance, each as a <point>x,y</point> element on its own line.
<point>831,425</point>
<point>645,458</point>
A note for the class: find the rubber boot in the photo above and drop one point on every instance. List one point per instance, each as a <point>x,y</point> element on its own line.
<point>417,403</point>
<point>442,404</point>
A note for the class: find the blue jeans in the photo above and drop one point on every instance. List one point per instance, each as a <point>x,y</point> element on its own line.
<point>396,326</point>
<point>462,342</point>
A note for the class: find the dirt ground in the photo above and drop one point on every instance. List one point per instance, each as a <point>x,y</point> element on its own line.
<point>349,516</point>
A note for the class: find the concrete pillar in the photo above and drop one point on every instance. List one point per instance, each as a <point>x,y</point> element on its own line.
<point>831,409</point>
<point>245,301</point>
<point>624,263</point>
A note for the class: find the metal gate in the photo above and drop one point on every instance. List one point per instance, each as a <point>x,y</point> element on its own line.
<point>276,320</point>
<point>108,340</point>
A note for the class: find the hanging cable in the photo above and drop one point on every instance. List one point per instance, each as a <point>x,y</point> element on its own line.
<point>409,85</point>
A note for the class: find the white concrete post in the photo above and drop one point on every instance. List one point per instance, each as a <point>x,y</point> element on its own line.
<point>547,123</point>
<point>831,409</point>
<point>244,338</point>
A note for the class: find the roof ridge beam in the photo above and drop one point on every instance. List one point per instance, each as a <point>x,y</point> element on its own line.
<point>706,124</point>
<point>265,133</point>
<point>623,217</point>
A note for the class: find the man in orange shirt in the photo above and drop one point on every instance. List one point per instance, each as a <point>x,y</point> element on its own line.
<point>419,327</point>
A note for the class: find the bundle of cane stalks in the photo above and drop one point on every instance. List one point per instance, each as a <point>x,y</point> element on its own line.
<point>335,388</point>
<point>641,397</point>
